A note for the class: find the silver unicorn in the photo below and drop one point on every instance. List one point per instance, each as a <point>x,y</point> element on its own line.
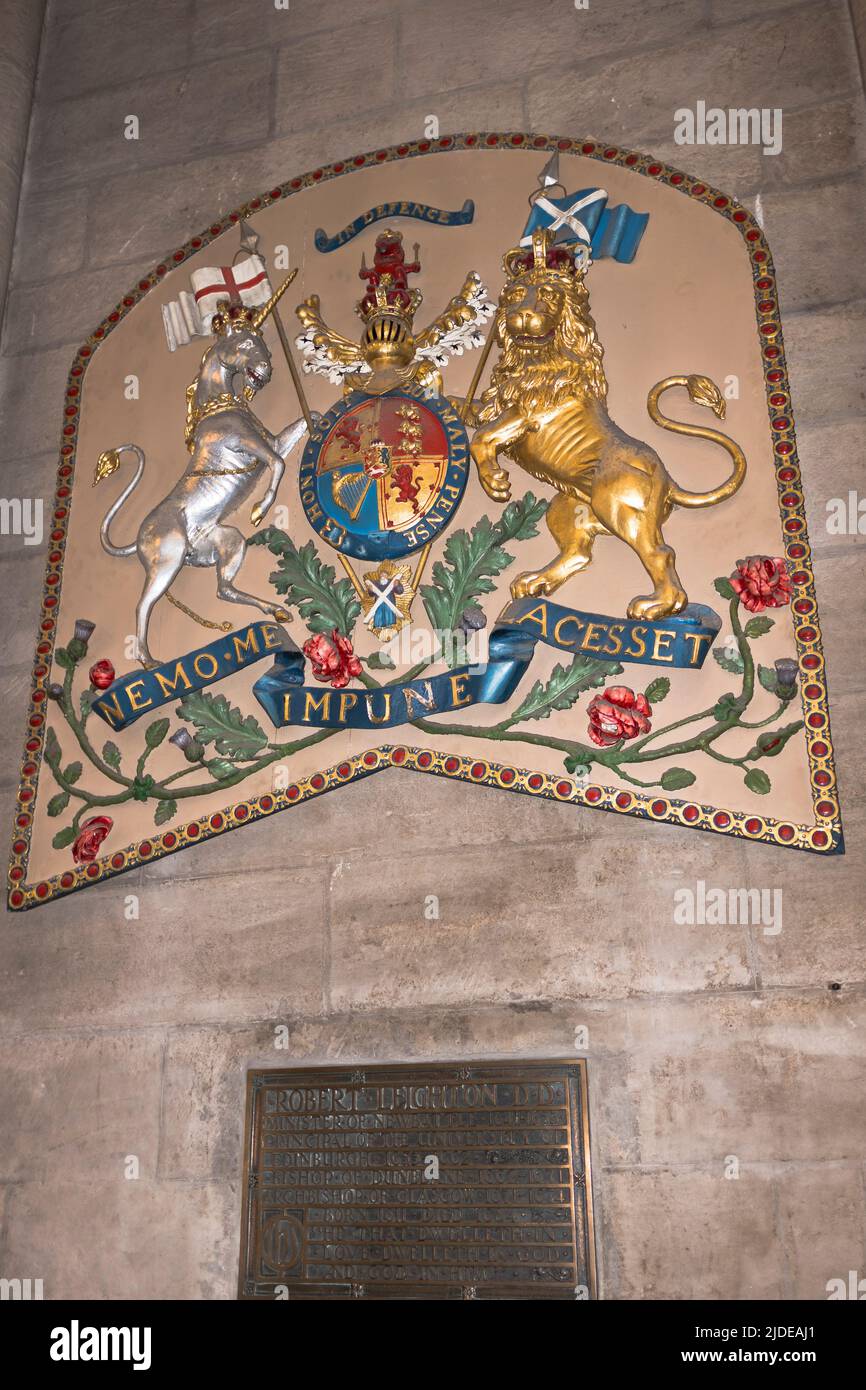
<point>230,449</point>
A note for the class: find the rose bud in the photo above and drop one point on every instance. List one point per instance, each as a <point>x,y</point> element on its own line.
<point>102,674</point>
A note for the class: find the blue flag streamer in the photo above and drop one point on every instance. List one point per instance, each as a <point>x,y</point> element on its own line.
<point>614,232</point>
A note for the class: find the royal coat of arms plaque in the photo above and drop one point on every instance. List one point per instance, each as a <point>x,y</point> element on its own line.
<point>472,457</point>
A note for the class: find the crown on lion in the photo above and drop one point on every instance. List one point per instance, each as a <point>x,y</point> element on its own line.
<point>563,260</point>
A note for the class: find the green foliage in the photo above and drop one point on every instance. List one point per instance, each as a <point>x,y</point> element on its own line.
<point>233,734</point>
<point>220,768</point>
<point>767,677</point>
<point>111,755</point>
<point>166,810</point>
<point>725,588</point>
<point>62,657</point>
<point>379,661</point>
<point>473,559</point>
<point>156,732</point>
<point>758,781</point>
<point>732,663</point>
<point>302,579</point>
<point>52,750</point>
<point>756,627</point>
<point>675,778</point>
<point>657,689</point>
<point>58,804</point>
<point>72,773</point>
<point>64,837</point>
<point>565,685</point>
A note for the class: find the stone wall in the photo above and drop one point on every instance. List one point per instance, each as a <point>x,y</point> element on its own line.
<point>133,1037</point>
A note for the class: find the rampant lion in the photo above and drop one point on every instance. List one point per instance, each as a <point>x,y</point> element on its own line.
<point>546,409</point>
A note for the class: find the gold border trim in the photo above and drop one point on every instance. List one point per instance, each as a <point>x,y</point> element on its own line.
<point>823,836</point>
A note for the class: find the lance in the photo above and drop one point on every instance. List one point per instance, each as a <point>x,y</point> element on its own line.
<point>249,245</point>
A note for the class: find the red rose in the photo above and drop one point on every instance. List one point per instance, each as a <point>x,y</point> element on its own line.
<point>333,659</point>
<point>102,674</point>
<point>618,713</point>
<point>90,837</point>
<point>762,582</point>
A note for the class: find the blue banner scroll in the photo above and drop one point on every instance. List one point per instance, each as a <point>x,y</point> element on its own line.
<point>287,702</point>
<point>139,692</point>
<point>682,642</point>
<point>614,232</point>
<point>422,211</point>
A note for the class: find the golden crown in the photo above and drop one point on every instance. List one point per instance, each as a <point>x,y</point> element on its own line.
<point>559,259</point>
<point>239,318</point>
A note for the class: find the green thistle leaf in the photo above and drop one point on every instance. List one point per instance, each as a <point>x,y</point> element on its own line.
<point>675,778</point>
<point>165,811</point>
<point>62,657</point>
<point>756,627</point>
<point>657,689</point>
<point>220,768</point>
<point>63,837</point>
<point>758,781</point>
<point>72,773</point>
<point>58,804</point>
<point>302,579</point>
<point>767,677</point>
<point>566,684</point>
<point>725,588</point>
<point>111,755</point>
<point>234,734</point>
<point>733,664</point>
<point>473,559</point>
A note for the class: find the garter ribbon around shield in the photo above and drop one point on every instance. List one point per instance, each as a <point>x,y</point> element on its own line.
<point>496,480</point>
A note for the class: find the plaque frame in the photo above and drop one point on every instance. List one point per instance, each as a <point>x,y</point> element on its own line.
<point>572,1071</point>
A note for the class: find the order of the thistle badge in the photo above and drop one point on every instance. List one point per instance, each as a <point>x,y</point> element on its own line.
<point>551,539</point>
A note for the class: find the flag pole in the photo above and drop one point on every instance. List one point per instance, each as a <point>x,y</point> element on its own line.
<point>250,245</point>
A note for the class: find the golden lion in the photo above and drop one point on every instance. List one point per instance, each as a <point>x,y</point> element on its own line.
<point>546,409</point>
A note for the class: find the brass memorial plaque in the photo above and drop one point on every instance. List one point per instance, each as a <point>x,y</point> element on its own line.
<point>422,1181</point>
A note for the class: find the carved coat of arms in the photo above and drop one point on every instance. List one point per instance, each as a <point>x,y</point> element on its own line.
<point>507,493</point>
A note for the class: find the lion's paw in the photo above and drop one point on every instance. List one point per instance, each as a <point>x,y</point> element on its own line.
<point>531,585</point>
<point>652,608</point>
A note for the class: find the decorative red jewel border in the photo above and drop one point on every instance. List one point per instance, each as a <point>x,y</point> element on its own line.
<point>824,836</point>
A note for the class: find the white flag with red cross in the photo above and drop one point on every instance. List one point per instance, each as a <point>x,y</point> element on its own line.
<point>189,316</point>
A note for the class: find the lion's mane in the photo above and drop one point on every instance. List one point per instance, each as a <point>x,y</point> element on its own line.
<point>570,365</point>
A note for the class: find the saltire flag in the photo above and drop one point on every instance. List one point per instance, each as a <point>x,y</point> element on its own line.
<point>189,316</point>
<point>585,217</point>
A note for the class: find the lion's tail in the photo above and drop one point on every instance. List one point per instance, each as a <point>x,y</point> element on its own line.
<point>108,463</point>
<point>702,391</point>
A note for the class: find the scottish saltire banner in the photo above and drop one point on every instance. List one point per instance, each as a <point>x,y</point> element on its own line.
<point>421,507</point>
<point>585,216</point>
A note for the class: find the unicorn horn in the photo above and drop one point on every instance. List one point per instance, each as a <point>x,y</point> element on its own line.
<point>266,309</point>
